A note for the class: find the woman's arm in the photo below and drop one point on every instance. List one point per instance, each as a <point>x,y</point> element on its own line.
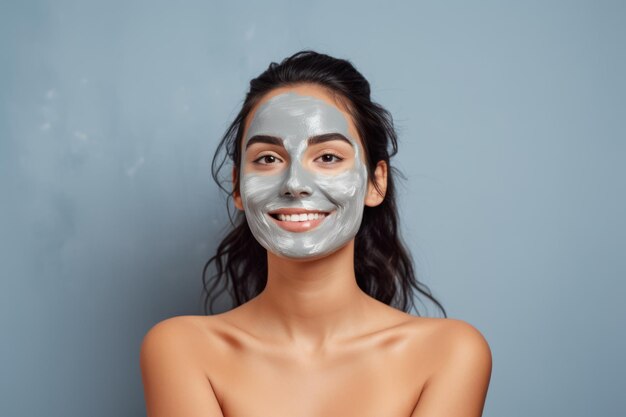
<point>459,386</point>
<point>174,384</point>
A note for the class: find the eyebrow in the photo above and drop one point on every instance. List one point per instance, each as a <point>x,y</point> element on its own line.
<point>313,140</point>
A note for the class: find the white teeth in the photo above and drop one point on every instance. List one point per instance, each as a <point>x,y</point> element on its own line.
<point>301,217</point>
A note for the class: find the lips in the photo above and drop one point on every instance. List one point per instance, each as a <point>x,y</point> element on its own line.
<point>295,210</point>
<point>283,218</point>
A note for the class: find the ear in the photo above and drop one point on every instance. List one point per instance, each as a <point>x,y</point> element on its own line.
<point>236,194</point>
<point>373,198</point>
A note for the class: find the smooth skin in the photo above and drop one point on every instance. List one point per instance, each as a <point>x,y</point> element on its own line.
<point>313,344</point>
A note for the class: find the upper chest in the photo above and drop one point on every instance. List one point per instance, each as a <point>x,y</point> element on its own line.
<point>379,376</point>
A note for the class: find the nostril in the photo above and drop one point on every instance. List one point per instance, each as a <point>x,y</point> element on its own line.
<point>299,194</point>
<point>296,188</point>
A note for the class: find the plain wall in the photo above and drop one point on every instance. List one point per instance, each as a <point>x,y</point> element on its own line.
<point>511,117</point>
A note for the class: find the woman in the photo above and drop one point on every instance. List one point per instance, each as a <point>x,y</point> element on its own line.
<point>316,268</point>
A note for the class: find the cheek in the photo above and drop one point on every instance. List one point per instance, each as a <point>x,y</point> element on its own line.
<point>258,189</point>
<point>348,187</point>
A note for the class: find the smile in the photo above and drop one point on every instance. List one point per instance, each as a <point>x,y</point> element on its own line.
<point>298,220</point>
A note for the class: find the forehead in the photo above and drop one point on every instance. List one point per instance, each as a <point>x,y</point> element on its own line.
<point>297,113</point>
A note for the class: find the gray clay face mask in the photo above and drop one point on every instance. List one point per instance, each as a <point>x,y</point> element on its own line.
<point>295,118</point>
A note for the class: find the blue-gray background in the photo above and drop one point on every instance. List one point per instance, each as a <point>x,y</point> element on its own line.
<point>511,120</point>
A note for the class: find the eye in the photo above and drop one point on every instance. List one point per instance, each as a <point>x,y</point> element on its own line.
<point>268,160</point>
<point>328,158</point>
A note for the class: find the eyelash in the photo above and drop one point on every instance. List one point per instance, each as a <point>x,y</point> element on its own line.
<point>256,161</point>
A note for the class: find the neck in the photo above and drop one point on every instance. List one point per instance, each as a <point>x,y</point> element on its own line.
<point>312,302</point>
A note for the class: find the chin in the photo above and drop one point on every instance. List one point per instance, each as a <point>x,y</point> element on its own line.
<point>309,257</point>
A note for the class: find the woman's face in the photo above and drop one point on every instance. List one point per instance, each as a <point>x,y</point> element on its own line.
<point>303,174</point>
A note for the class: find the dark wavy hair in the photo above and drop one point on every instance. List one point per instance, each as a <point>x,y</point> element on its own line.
<point>382,264</point>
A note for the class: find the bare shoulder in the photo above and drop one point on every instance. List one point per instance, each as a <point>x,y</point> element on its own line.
<point>173,382</point>
<point>191,326</point>
<point>174,327</point>
<point>461,365</point>
<point>203,338</point>
<point>451,338</point>
<point>452,335</point>
<point>184,337</point>
<point>174,322</point>
<point>467,343</point>
<point>173,337</point>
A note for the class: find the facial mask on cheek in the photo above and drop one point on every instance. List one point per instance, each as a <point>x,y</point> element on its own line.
<point>294,118</point>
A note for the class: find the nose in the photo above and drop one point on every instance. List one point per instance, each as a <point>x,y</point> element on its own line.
<point>297,182</point>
